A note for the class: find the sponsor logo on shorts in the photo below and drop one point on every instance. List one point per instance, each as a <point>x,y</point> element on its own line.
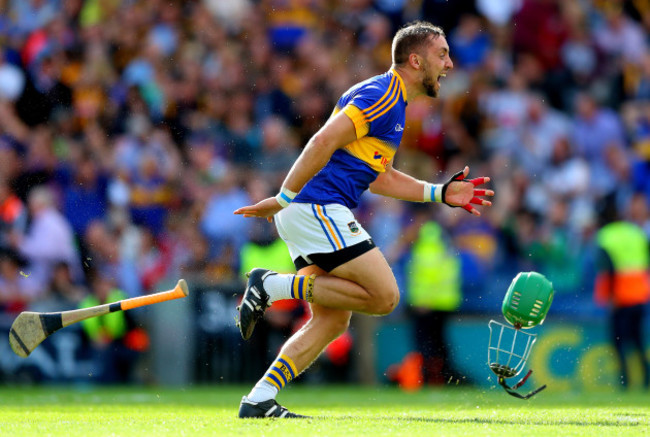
<point>354,228</point>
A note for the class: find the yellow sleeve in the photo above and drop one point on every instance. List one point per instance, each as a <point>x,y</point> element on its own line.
<point>361,124</point>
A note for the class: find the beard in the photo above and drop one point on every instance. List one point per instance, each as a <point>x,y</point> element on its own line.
<point>429,82</point>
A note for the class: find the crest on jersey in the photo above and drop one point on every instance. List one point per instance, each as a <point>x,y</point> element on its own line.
<point>354,228</point>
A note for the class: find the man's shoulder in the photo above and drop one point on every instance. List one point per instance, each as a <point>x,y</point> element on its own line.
<point>374,86</point>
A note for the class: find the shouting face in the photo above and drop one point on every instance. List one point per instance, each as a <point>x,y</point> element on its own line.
<point>434,65</point>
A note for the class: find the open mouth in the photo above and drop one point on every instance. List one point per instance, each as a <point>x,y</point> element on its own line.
<point>441,76</point>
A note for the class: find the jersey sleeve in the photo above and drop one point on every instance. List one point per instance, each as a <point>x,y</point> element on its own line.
<point>370,106</point>
<point>361,126</point>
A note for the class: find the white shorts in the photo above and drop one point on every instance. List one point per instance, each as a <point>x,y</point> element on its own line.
<point>310,230</point>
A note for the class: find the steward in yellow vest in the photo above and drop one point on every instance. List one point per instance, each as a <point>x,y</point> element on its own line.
<point>624,284</point>
<point>433,293</point>
<point>116,340</point>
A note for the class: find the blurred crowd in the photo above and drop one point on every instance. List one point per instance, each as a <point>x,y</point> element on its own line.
<point>131,130</point>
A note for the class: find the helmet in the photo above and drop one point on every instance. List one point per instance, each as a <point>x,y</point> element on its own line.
<point>525,305</point>
<point>527,300</point>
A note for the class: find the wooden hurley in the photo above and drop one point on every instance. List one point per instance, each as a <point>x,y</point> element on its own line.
<point>31,328</point>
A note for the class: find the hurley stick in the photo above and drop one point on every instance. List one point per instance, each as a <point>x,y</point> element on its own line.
<point>31,328</point>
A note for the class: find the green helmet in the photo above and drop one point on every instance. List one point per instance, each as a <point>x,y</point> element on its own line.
<point>528,300</point>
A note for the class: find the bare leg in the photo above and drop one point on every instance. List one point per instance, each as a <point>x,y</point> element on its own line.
<point>325,325</point>
<point>365,284</point>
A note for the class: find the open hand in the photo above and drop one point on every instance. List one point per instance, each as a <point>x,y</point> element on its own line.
<point>459,192</point>
<point>266,208</point>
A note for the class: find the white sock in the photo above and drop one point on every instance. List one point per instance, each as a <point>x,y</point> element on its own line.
<point>278,287</point>
<point>263,391</point>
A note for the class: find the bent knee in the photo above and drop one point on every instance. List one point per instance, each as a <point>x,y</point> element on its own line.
<point>385,304</point>
<point>333,324</point>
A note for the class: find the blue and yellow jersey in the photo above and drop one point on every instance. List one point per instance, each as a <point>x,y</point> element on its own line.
<point>377,109</point>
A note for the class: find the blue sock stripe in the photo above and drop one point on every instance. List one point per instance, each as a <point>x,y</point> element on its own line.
<point>433,193</point>
<point>279,371</point>
<point>274,379</point>
<point>292,281</point>
<point>288,367</point>
<point>335,227</point>
<point>272,382</point>
<point>301,288</point>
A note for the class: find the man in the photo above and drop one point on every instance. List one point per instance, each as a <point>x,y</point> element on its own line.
<point>623,284</point>
<point>49,238</point>
<point>339,268</point>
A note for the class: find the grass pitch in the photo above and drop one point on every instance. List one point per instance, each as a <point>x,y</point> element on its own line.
<point>339,411</point>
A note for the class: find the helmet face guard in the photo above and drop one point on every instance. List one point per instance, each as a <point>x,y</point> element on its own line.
<point>509,349</point>
<point>525,305</point>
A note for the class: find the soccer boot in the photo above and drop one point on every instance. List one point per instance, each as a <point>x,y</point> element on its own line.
<point>270,408</point>
<point>254,303</point>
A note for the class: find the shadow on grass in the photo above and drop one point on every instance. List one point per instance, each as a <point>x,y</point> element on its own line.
<point>629,420</point>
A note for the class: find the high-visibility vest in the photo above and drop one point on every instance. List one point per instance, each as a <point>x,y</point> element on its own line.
<point>113,324</point>
<point>434,273</point>
<point>274,256</point>
<point>627,247</point>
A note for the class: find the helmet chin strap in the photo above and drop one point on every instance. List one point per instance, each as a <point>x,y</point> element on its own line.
<point>511,390</point>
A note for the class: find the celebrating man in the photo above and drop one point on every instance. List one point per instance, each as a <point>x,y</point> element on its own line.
<point>339,268</point>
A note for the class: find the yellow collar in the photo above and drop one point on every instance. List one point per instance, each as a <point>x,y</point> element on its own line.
<point>401,83</point>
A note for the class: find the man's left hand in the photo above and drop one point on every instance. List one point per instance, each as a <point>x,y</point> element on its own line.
<point>462,193</point>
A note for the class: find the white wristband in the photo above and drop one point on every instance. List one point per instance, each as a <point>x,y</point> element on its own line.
<point>285,197</point>
<point>432,192</point>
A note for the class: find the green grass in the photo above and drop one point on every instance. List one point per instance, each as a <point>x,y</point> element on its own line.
<point>349,411</point>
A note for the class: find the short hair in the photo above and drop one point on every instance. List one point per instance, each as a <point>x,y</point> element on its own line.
<point>411,37</point>
<point>41,195</point>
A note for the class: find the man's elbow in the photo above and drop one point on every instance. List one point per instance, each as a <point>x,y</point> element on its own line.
<point>321,142</point>
<point>378,186</point>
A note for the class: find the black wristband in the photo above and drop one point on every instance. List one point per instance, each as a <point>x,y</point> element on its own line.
<point>456,177</point>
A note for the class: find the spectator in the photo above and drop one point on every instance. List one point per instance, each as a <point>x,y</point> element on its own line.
<point>620,38</point>
<point>116,339</point>
<point>12,80</point>
<point>539,131</point>
<point>594,130</point>
<point>13,215</point>
<point>84,194</point>
<point>63,293</point>
<point>17,288</point>
<point>278,151</point>
<point>623,285</point>
<point>223,229</point>
<point>540,30</point>
<point>49,238</point>
<point>470,42</point>
<point>567,177</point>
<point>433,294</point>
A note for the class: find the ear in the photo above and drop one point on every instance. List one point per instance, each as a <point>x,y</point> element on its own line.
<point>414,61</point>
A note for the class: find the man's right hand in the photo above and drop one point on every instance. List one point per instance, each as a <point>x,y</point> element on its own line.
<point>266,208</point>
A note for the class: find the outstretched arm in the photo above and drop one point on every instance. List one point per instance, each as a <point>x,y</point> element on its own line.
<point>457,192</point>
<point>394,183</point>
<point>337,132</point>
